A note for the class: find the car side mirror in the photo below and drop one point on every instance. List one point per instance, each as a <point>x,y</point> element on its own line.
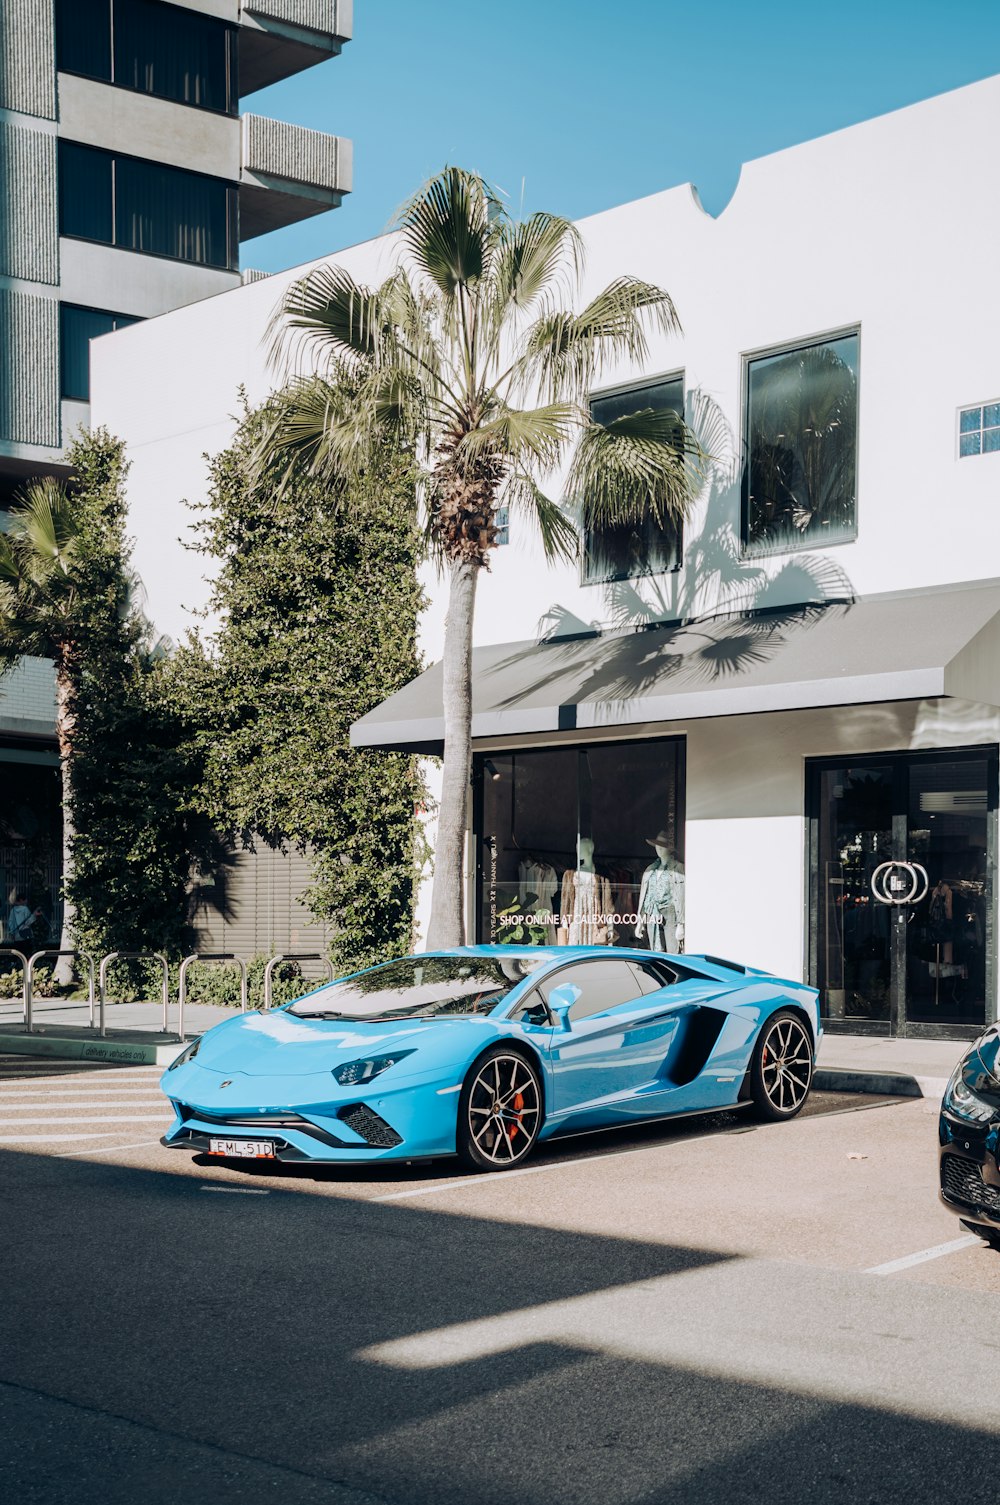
<point>561,1000</point>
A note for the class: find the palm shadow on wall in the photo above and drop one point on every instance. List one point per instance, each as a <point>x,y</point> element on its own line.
<point>722,616</point>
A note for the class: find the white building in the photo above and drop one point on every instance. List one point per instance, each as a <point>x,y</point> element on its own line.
<point>839,356</point>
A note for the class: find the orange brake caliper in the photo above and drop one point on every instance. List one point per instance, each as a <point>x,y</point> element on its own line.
<point>518,1105</point>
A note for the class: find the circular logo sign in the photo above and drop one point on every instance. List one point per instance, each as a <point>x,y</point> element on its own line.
<point>900,882</point>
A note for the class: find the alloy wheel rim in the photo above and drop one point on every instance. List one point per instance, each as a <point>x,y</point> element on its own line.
<point>504,1110</point>
<point>786,1065</point>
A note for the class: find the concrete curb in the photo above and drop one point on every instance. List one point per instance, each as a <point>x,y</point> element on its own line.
<point>878,1083</point>
<point>114,1052</point>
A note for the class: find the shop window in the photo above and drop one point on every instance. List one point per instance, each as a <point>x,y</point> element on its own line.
<point>583,846</point>
<point>151,47</point>
<point>623,551</point>
<point>800,475</point>
<point>77,327</point>
<point>979,430</point>
<point>144,206</point>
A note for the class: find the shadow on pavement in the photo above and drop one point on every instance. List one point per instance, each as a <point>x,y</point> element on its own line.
<point>157,1342</point>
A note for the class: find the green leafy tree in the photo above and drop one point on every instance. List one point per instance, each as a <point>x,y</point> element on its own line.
<point>468,356</point>
<point>317,606</point>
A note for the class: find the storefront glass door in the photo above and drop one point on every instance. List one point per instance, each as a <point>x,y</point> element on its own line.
<point>926,967</point>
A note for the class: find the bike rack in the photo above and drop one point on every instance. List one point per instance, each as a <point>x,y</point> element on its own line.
<point>6,949</point>
<point>292,956</point>
<point>29,974</point>
<point>135,956</point>
<point>209,956</point>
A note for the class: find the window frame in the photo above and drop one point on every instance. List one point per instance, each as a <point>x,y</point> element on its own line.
<point>973,407</point>
<point>747,549</point>
<point>232,83</point>
<point>621,389</point>
<point>107,313</point>
<point>232,209</point>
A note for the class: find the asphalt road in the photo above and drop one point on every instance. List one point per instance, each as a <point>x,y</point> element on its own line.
<point>675,1315</point>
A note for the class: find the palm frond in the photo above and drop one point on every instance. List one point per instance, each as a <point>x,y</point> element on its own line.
<point>527,435</point>
<point>448,228</point>
<point>532,257</point>
<point>315,423</point>
<point>645,464</point>
<point>326,308</point>
<point>565,352</point>
<point>560,540</point>
<point>43,531</point>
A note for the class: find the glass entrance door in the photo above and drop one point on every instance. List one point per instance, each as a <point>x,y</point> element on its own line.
<point>925,968</point>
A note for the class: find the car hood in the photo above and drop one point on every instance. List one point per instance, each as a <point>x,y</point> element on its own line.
<point>279,1044</point>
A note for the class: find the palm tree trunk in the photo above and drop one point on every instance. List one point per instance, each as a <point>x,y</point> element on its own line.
<point>447,922</point>
<point>63,972</point>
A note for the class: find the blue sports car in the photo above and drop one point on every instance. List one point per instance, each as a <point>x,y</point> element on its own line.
<point>485,1050</point>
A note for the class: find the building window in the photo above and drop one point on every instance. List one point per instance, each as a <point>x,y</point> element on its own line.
<point>154,48</point>
<point>145,206</point>
<point>979,430</point>
<point>621,551</point>
<point>77,327</point>
<point>800,475</point>
<point>582,845</point>
<point>502,525</point>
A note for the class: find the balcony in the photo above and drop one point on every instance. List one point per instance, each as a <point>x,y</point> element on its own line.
<point>288,174</point>
<point>281,37</point>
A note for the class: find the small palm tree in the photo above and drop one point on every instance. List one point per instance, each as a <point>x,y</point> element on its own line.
<point>468,356</point>
<point>39,615</point>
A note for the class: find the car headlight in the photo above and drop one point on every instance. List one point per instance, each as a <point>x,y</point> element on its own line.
<point>355,1072</point>
<point>185,1055</point>
<point>960,1099</point>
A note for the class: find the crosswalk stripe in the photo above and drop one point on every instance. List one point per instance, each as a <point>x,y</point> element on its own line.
<point>106,1100</point>
<point>132,1118</point>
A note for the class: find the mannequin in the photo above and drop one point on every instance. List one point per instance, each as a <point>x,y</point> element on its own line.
<point>661,898</point>
<point>586,901</point>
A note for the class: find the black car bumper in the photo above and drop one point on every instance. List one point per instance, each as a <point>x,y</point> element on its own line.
<point>970,1175</point>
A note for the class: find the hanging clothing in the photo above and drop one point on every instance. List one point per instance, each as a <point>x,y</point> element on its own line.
<point>661,906</point>
<point>539,884</point>
<point>586,908</point>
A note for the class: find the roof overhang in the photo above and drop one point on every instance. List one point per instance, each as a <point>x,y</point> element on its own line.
<point>911,645</point>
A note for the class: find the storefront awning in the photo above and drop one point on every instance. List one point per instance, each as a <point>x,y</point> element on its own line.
<point>900,646</point>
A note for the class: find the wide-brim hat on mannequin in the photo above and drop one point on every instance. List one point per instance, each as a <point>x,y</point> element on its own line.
<point>663,839</point>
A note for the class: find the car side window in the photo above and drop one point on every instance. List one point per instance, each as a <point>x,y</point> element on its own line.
<point>652,978</point>
<point>603,985</point>
<point>532,1010</point>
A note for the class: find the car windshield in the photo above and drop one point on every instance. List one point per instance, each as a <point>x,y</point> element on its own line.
<point>420,987</point>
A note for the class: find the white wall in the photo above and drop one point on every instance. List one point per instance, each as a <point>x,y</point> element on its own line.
<point>890,226</point>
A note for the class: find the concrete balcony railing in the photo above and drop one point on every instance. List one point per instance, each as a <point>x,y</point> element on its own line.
<point>289,173</point>
<point>281,37</point>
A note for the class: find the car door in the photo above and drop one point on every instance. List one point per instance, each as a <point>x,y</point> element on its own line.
<point>620,1031</point>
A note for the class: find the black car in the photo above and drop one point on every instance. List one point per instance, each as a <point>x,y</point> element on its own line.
<point>970,1139</point>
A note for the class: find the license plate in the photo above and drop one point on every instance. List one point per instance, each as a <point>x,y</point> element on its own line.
<point>243,1149</point>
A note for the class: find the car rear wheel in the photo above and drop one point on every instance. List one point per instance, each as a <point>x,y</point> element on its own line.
<point>781,1068</point>
<point>499,1111</point>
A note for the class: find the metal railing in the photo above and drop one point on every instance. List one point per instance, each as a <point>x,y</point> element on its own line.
<point>294,956</point>
<point>29,976</point>
<point>134,956</point>
<point>7,949</point>
<point>209,956</point>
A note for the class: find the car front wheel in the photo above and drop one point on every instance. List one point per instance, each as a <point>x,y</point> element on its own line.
<point>782,1067</point>
<point>499,1111</point>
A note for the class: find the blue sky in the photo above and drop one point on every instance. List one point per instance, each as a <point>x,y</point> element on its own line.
<point>575,105</point>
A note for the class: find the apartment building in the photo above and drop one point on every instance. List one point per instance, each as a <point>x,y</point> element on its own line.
<point>131,180</point>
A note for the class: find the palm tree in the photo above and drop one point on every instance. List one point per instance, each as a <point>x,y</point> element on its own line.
<point>39,609</point>
<point>467,356</point>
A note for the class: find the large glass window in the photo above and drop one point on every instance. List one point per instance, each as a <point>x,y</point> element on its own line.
<point>152,47</point>
<point>979,430</point>
<point>583,846</point>
<point>145,206</point>
<point>77,327</point>
<point>623,551</point>
<point>800,475</point>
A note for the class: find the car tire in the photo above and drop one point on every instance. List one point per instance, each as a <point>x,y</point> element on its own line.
<point>781,1067</point>
<point>499,1111</point>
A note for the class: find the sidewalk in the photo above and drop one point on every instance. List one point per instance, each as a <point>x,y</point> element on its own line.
<point>871,1063</point>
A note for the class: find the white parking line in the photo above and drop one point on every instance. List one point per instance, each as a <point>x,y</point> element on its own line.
<point>50,1138</point>
<point>56,1094</point>
<point>921,1257</point>
<point>239,1191</point>
<point>132,1118</point>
